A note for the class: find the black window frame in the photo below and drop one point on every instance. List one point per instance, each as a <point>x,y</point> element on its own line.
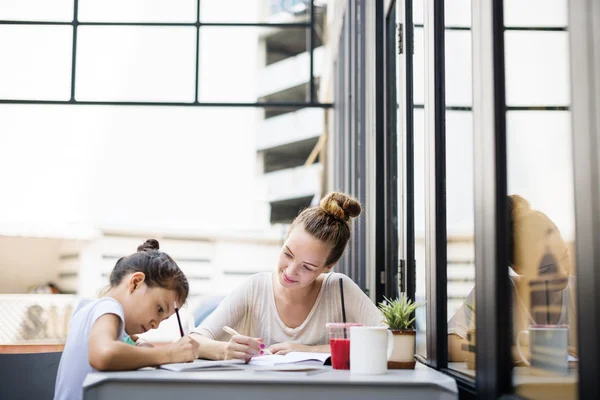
<point>311,95</point>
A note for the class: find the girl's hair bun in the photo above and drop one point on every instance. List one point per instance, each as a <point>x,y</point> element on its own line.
<point>149,245</point>
<point>341,206</point>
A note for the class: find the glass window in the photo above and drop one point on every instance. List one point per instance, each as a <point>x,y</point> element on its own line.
<point>460,224</point>
<point>38,65</point>
<point>418,133</point>
<point>537,68</point>
<point>280,57</point>
<point>37,10</point>
<point>141,63</point>
<point>541,203</point>
<point>137,11</point>
<point>535,13</point>
<point>263,11</point>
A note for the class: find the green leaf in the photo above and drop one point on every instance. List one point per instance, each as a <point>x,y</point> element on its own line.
<point>397,313</point>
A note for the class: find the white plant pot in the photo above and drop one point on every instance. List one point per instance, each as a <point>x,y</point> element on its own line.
<point>403,354</point>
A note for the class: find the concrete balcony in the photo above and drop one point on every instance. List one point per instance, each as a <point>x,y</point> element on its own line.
<point>293,183</point>
<point>289,128</point>
<point>289,73</point>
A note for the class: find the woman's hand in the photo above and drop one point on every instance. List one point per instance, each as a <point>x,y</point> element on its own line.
<point>287,347</point>
<point>243,347</point>
<point>185,349</point>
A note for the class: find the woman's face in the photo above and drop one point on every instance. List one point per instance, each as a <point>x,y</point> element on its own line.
<point>302,259</point>
<point>147,307</point>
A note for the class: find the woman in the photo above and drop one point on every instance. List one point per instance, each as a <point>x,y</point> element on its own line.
<point>287,310</point>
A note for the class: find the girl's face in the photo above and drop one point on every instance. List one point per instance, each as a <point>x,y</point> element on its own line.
<point>302,259</point>
<point>146,307</point>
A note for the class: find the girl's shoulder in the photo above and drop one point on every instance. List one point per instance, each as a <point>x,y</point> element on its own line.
<point>103,305</point>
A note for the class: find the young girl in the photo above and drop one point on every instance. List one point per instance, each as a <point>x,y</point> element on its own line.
<point>287,310</point>
<point>143,289</point>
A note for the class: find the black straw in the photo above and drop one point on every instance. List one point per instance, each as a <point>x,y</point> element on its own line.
<point>547,304</point>
<point>179,320</point>
<point>343,306</point>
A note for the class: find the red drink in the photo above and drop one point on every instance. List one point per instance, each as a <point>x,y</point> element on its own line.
<point>340,353</point>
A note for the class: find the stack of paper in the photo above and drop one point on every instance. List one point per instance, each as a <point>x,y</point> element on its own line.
<point>204,365</point>
<point>291,358</point>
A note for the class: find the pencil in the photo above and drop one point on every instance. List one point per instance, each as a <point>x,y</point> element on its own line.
<point>232,332</point>
<point>179,320</point>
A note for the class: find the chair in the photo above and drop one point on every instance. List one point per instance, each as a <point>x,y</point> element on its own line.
<point>28,376</point>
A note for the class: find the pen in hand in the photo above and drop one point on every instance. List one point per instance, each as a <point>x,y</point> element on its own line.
<point>179,320</point>
<point>233,332</point>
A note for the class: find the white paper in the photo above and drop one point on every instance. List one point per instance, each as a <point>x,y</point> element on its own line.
<point>291,358</point>
<point>204,365</point>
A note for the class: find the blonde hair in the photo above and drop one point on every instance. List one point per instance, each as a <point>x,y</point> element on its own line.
<point>330,222</point>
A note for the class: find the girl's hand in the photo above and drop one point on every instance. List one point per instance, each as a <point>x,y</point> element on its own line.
<point>287,347</point>
<point>183,350</point>
<point>243,348</point>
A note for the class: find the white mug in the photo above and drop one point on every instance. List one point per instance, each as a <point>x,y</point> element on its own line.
<point>370,349</point>
<point>548,347</point>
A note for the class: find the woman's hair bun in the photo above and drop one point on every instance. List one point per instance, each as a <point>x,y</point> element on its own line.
<point>341,206</point>
<point>148,245</point>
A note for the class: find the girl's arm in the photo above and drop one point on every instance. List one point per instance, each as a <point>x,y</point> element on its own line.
<point>107,353</point>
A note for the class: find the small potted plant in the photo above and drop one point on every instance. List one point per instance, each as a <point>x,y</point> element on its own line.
<point>398,315</point>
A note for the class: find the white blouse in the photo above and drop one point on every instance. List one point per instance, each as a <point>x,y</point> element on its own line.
<point>251,311</point>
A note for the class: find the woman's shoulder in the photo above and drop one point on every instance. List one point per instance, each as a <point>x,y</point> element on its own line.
<point>333,278</point>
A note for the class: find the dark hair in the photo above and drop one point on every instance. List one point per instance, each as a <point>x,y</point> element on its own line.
<point>159,268</point>
<point>330,222</point>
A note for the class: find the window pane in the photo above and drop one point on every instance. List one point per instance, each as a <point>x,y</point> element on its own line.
<point>275,64</point>
<point>137,10</point>
<point>458,68</point>
<point>541,200</point>
<point>37,10</point>
<point>419,67</point>
<point>136,63</point>
<point>36,62</point>
<point>263,11</point>
<point>537,68</point>
<point>417,12</point>
<point>419,214</point>
<point>538,13</point>
<point>457,12</point>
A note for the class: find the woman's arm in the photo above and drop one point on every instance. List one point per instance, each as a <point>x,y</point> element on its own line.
<point>287,347</point>
<point>107,353</point>
<point>231,312</point>
<point>240,346</point>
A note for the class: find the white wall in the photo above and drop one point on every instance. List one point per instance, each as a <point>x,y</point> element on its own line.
<point>22,268</point>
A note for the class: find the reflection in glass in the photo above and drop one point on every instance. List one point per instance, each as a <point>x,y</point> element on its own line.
<point>37,66</point>
<point>541,202</point>
<point>542,263</point>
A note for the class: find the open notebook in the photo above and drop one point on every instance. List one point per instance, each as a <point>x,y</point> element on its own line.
<point>294,357</point>
<point>204,365</point>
